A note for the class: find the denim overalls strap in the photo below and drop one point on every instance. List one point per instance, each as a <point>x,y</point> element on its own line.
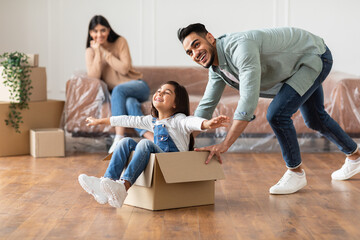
<point>163,139</point>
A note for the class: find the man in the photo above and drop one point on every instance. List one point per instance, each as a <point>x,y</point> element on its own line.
<point>287,64</point>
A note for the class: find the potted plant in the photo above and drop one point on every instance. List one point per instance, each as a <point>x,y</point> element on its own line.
<point>16,75</point>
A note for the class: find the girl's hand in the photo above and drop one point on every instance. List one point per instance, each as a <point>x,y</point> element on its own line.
<point>215,122</point>
<point>92,121</point>
<point>94,44</point>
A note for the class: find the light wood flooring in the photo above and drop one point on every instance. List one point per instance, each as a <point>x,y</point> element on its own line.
<point>41,199</point>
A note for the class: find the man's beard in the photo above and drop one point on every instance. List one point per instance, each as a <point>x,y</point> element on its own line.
<point>211,52</point>
<point>210,62</point>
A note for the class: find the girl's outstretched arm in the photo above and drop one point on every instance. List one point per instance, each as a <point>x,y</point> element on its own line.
<point>94,121</point>
<point>215,122</point>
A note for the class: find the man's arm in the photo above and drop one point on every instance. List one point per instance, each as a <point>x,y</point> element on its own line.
<point>246,56</point>
<point>214,89</point>
<point>236,129</point>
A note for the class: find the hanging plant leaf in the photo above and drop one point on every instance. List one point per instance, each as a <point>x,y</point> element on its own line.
<point>17,79</point>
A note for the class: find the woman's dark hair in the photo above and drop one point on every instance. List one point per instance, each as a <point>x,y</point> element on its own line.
<point>198,28</point>
<point>182,104</point>
<point>98,19</point>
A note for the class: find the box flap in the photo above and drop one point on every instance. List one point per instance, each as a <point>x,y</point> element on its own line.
<point>179,167</point>
<point>47,130</point>
<point>108,157</point>
<point>145,178</point>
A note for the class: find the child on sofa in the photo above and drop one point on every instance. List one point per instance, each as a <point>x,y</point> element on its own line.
<point>172,127</point>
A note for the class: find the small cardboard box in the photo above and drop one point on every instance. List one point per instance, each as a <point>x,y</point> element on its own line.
<point>33,60</point>
<point>47,142</point>
<point>44,114</point>
<point>38,81</point>
<point>175,180</point>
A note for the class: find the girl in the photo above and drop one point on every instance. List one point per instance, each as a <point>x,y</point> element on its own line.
<point>172,127</point>
<point>108,58</point>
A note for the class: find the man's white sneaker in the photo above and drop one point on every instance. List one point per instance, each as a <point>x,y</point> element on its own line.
<point>291,182</point>
<point>92,186</point>
<point>115,191</point>
<point>349,169</point>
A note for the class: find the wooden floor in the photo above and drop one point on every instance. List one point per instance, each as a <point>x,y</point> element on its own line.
<point>41,199</point>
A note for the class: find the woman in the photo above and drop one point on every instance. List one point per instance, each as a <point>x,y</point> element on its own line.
<point>108,58</point>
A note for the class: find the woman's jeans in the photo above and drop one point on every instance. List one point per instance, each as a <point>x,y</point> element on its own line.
<point>138,163</point>
<point>126,99</point>
<point>311,105</point>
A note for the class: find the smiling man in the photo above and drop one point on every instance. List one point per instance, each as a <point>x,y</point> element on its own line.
<point>286,64</point>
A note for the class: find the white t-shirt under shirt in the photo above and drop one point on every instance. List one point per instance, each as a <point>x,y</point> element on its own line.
<point>179,126</point>
<point>229,75</point>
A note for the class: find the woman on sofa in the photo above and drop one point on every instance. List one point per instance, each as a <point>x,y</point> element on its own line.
<point>108,58</point>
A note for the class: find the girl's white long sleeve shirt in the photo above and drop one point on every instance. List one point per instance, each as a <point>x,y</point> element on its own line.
<point>179,126</point>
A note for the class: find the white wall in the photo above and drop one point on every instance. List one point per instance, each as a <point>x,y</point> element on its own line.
<point>57,29</point>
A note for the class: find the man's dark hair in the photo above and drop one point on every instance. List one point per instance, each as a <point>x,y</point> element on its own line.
<point>198,28</point>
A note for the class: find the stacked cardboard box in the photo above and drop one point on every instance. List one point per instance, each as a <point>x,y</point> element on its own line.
<point>42,113</point>
<point>38,81</point>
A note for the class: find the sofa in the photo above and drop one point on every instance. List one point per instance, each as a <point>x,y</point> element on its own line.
<point>89,97</point>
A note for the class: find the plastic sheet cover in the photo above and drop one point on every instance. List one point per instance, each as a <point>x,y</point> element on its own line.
<point>86,97</point>
<point>90,97</point>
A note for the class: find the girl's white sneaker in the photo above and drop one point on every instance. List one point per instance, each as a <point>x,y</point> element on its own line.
<point>115,191</point>
<point>92,186</point>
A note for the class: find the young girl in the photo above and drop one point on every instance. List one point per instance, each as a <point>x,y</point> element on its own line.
<point>172,127</point>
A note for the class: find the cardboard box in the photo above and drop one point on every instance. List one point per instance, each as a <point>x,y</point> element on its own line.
<point>38,81</point>
<point>44,114</point>
<point>47,142</point>
<point>33,60</point>
<point>175,180</point>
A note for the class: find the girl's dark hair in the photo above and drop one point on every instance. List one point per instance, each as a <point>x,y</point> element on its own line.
<point>182,104</point>
<point>197,28</point>
<point>98,19</point>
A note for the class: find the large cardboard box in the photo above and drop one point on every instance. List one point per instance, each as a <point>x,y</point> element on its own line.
<point>47,142</point>
<point>175,180</point>
<point>44,114</point>
<point>38,81</point>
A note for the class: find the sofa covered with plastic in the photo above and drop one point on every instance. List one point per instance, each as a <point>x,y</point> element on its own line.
<point>90,97</point>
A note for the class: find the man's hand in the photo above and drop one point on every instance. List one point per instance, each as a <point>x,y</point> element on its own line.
<point>215,122</point>
<point>236,129</point>
<point>214,150</point>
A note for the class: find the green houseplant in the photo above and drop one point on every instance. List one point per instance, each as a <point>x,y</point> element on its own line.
<point>16,75</point>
